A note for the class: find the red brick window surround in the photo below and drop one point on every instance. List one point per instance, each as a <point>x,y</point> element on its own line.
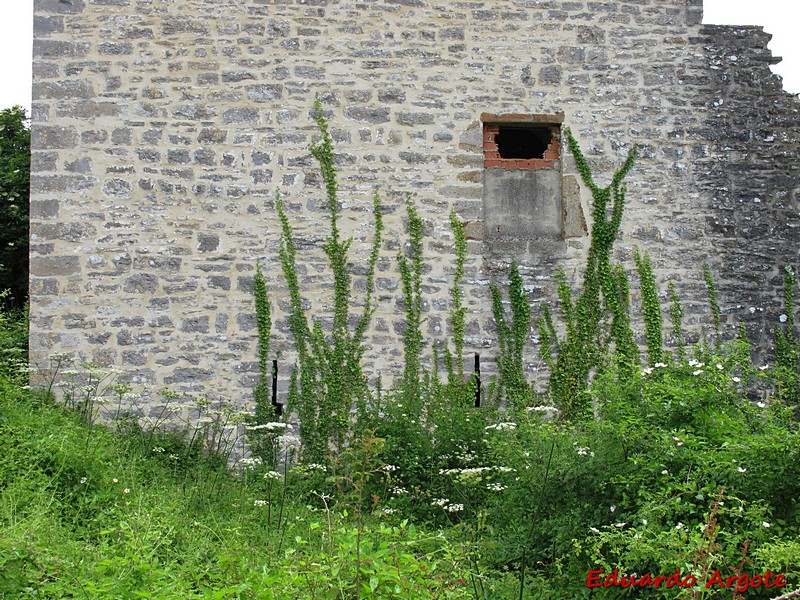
<point>520,141</point>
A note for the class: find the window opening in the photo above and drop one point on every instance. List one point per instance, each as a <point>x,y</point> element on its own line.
<point>522,142</point>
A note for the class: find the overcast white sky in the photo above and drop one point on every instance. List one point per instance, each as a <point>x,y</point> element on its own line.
<point>779,17</point>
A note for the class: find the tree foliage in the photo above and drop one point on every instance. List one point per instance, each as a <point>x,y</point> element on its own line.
<point>15,167</point>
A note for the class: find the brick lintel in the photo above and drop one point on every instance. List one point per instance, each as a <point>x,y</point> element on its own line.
<point>556,118</point>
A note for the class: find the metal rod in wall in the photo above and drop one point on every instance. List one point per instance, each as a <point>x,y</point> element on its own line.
<point>477,380</point>
<point>275,403</point>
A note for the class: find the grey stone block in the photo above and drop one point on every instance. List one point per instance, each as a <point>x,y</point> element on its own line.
<point>61,183</point>
<point>367,115</point>
<point>51,266</point>
<point>142,283</point>
<point>266,92</point>
<point>195,325</point>
<point>207,242</point>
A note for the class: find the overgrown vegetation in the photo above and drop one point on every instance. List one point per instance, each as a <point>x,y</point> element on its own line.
<point>690,464</point>
<point>15,168</point>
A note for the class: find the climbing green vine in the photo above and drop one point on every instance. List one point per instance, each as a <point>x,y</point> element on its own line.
<point>676,319</point>
<point>511,339</point>
<point>617,299</point>
<point>457,310</point>
<point>329,380</point>
<point>712,301</point>
<point>651,308</point>
<point>573,358</point>
<point>411,266</point>
<point>264,410</point>
<point>787,347</point>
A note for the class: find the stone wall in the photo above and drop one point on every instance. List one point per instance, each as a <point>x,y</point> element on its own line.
<point>163,129</point>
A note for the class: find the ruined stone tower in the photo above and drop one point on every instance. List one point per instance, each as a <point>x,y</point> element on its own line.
<point>163,129</point>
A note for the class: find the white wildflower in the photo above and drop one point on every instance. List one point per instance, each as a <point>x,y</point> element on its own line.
<point>260,503</point>
<point>158,449</point>
<point>660,365</point>
<point>126,491</point>
<point>761,404</point>
<point>665,472</point>
<point>595,529</point>
<point>679,526</point>
<point>583,451</point>
<point>388,511</point>
<point>475,470</point>
<point>620,525</point>
<point>272,475</point>
<point>765,524</point>
<point>495,487</point>
<point>454,507</point>
<point>741,469</point>
<point>388,468</point>
<point>644,522</point>
<point>83,479</point>
<point>736,379</point>
<point>764,368</point>
<point>502,427</point>
<point>613,508</point>
<point>720,367</point>
<point>398,491</point>
<point>697,372</point>
<point>440,501</point>
<point>782,318</point>
<point>647,370</point>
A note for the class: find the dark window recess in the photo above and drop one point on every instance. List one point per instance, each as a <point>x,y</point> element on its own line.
<point>523,142</point>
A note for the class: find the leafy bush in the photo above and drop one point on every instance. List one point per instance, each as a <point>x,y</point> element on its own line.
<point>13,342</point>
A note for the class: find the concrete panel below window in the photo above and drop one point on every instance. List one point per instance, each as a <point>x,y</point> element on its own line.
<point>522,204</point>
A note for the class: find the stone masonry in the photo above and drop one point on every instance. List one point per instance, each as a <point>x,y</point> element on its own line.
<point>162,130</point>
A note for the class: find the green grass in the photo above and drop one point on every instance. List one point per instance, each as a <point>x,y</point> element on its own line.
<point>90,513</point>
<point>86,513</point>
